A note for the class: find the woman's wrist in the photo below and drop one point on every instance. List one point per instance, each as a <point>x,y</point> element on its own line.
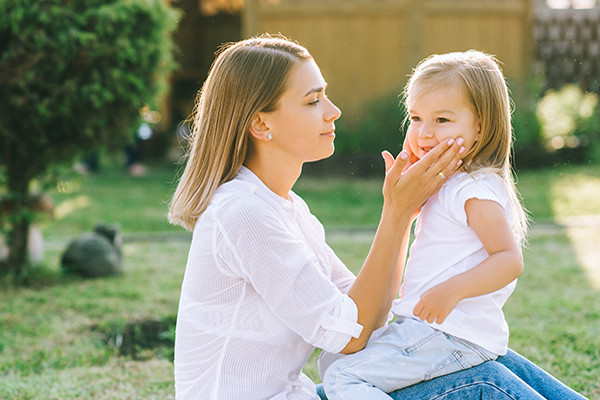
<point>399,214</point>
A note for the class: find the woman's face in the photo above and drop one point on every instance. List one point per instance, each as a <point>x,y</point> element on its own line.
<point>302,126</point>
<point>439,113</point>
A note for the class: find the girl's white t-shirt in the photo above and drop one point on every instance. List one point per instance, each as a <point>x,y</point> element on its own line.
<point>261,290</point>
<point>445,246</point>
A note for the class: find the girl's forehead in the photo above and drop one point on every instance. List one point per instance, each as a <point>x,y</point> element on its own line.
<point>419,89</point>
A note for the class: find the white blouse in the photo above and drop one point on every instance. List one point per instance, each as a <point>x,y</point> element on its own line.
<point>261,290</point>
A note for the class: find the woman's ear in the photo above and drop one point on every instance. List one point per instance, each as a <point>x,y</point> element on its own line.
<point>259,128</point>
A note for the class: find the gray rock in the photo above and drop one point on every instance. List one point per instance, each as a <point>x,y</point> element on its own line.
<point>94,254</point>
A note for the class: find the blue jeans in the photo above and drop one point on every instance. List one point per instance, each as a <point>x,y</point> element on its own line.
<point>510,377</point>
<point>408,351</point>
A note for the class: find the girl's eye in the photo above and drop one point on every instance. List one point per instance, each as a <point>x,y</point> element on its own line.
<point>441,119</point>
<point>314,102</point>
<point>415,119</point>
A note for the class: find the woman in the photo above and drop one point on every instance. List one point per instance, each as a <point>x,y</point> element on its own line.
<point>262,289</point>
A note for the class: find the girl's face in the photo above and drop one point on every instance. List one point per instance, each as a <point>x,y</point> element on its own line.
<point>302,126</point>
<point>439,113</point>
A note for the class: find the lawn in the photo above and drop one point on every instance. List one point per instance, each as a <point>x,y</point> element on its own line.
<point>67,338</point>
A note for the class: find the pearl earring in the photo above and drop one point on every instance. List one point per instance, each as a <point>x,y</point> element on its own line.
<point>269,136</point>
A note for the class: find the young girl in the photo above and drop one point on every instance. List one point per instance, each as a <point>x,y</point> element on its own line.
<point>466,256</point>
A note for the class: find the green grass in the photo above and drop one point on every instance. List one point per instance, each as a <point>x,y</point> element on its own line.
<point>57,336</point>
<point>137,204</point>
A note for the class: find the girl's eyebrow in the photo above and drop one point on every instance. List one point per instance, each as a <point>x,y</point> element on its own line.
<point>444,112</point>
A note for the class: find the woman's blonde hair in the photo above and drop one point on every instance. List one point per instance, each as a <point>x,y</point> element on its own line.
<point>481,78</point>
<point>246,77</point>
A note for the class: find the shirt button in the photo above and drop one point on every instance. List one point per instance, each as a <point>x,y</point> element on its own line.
<point>294,375</point>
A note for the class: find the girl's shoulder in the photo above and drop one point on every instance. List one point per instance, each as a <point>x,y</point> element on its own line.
<point>484,185</point>
<point>477,178</point>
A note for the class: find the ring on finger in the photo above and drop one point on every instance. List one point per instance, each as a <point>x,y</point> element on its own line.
<point>442,176</point>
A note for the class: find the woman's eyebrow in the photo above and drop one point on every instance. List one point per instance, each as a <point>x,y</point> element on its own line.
<point>315,90</point>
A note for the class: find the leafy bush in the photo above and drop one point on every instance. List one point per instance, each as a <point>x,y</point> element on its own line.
<point>376,129</point>
<point>528,148</point>
<point>569,117</point>
<point>73,76</point>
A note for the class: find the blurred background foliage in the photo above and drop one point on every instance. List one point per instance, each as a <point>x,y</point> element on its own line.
<point>74,76</point>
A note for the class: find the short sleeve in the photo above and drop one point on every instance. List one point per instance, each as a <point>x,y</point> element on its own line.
<point>482,187</point>
<point>256,245</point>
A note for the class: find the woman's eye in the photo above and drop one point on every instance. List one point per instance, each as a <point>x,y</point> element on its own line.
<point>314,102</point>
<point>443,119</point>
<point>415,119</point>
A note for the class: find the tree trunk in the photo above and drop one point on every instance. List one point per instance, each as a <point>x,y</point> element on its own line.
<point>18,221</point>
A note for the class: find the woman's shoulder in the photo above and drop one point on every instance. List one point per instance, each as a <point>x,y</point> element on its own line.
<point>236,198</point>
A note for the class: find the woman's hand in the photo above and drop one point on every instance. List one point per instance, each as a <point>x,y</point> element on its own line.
<point>409,184</point>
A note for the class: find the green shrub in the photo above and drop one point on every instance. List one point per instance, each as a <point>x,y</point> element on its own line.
<point>528,148</point>
<point>73,75</point>
<point>570,121</point>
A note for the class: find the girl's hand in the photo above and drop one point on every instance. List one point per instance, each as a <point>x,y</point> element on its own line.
<point>437,303</point>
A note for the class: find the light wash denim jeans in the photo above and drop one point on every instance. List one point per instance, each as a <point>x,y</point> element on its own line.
<point>510,377</point>
<point>408,351</point>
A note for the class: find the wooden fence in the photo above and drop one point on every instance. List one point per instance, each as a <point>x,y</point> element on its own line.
<point>366,48</point>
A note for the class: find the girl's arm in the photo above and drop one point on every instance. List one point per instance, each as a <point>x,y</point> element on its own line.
<point>504,264</point>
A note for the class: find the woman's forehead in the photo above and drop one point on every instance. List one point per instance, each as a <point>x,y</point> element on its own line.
<point>306,78</point>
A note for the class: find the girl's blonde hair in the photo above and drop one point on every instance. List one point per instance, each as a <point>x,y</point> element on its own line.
<point>246,77</point>
<point>485,88</point>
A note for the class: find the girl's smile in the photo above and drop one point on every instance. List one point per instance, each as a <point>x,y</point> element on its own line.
<point>439,113</point>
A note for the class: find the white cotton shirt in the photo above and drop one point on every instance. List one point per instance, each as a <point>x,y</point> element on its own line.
<point>261,290</point>
<point>445,246</point>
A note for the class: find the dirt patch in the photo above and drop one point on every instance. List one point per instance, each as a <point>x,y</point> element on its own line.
<point>141,339</point>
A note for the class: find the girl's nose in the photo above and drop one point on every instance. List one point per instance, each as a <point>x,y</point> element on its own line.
<point>426,132</point>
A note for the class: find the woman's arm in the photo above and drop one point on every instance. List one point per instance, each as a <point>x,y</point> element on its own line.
<point>397,280</point>
<point>404,191</point>
<point>503,265</point>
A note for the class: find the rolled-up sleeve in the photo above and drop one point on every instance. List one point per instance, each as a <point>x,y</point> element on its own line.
<point>340,327</point>
<point>257,245</point>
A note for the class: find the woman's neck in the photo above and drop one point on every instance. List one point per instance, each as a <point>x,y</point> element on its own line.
<point>279,177</point>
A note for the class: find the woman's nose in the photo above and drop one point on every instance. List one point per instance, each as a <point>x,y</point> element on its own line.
<point>333,112</point>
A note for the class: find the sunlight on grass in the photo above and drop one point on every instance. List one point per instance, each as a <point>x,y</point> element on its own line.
<point>585,242</point>
<point>575,194</point>
<point>579,194</point>
<point>68,206</point>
